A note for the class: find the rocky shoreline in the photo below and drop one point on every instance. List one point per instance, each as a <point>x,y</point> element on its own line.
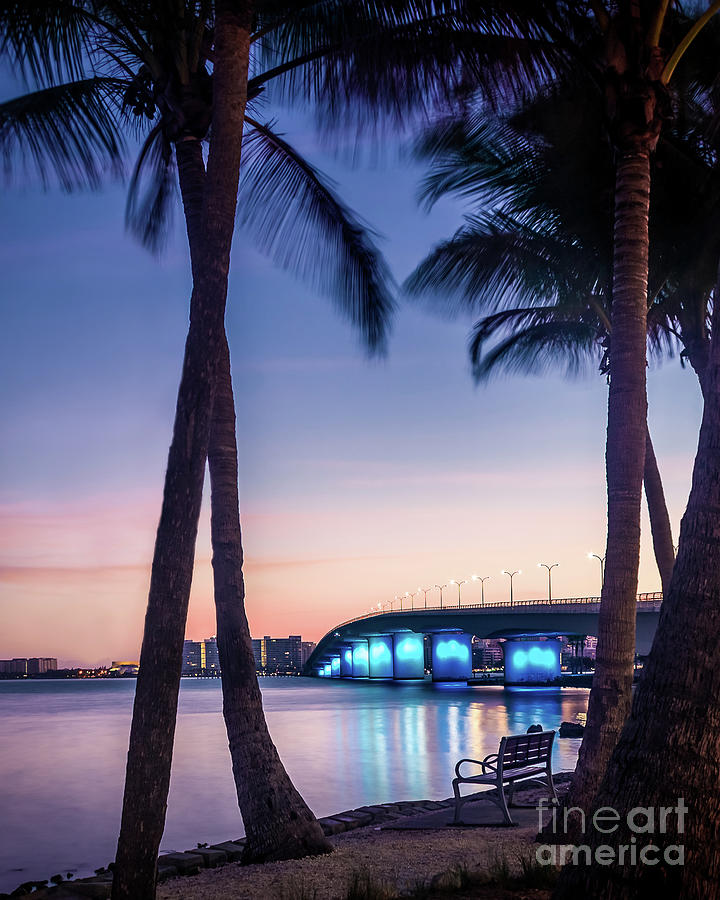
<point>193,861</point>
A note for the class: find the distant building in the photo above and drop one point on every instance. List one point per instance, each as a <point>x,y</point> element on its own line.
<point>201,657</point>
<point>487,654</point>
<point>124,667</point>
<point>306,649</point>
<point>280,656</point>
<point>17,666</point>
<point>257,647</point>
<point>38,665</point>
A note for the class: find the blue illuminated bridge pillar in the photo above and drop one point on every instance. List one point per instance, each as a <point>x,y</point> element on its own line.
<point>346,661</point>
<point>451,657</point>
<point>360,666</point>
<point>408,655</point>
<point>380,656</point>
<point>531,661</point>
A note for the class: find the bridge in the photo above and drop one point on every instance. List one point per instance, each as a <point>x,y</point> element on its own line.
<point>391,645</point>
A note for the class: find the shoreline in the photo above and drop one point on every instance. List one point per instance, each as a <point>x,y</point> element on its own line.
<point>359,844</point>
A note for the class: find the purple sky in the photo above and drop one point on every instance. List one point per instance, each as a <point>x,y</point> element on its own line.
<point>359,480</point>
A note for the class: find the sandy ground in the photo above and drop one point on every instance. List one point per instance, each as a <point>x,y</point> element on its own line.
<point>400,859</point>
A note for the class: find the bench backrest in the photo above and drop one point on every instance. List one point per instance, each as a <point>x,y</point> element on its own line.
<point>520,750</point>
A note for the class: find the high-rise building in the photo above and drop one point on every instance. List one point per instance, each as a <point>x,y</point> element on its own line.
<point>38,665</point>
<point>17,666</point>
<point>257,646</point>
<point>192,657</point>
<point>201,657</point>
<point>307,648</point>
<point>283,656</point>
<point>211,660</point>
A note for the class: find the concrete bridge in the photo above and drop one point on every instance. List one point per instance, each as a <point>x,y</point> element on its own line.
<point>391,645</point>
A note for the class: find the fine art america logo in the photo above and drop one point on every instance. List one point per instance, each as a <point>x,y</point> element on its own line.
<point>643,822</point>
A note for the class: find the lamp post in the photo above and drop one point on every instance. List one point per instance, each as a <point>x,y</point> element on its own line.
<point>440,588</point>
<point>512,575</point>
<point>482,581</point>
<point>549,571</point>
<point>412,598</point>
<point>401,600</point>
<point>425,592</point>
<point>458,583</point>
<point>602,568</point>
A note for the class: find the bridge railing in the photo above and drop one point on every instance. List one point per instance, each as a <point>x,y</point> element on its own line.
<point>650,597</point>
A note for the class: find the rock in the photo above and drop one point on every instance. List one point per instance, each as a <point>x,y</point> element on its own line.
<point>331,826</point>
<point>185,863</point>
<point>211,856</point>
<point>534,729</point>
<point>571,730</point>
<point>232,849</point>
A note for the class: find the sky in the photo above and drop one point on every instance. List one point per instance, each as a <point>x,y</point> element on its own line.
<point>360,479</point>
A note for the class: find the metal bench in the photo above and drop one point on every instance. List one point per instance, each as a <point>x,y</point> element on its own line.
<point>520,758</point>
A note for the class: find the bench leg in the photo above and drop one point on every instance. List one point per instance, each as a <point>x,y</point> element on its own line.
<point>459,800</point>
<point>503,805</point>
<point>551,785</point>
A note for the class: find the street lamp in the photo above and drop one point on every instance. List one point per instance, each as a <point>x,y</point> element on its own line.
<point>482,581</point>
<point>549,570</point>
<point>412,598</point>
<point>401,600</point>
<point>440,588</point>
<point>425,592</point>
<point>458,583</point>
<point>512,575</point>
<point>602,567</point>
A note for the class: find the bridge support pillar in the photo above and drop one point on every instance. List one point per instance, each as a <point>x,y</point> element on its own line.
<point>346,662</point>
<point>408,655</point>
<point>531,662</point>
<point>360,668</point>
<point>380,656</point>
<point>451,657</point>
<point>335,667</point>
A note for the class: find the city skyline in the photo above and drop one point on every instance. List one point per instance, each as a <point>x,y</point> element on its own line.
<point>360,480</point>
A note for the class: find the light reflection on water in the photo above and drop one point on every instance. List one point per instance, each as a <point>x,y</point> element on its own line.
<point>345,744</point>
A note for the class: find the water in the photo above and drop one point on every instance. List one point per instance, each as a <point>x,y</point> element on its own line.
<point>63,746</point>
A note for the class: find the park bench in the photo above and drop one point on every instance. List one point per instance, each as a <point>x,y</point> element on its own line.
<point>520,758</point>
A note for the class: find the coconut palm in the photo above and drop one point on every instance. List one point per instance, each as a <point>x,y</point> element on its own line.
<point>149,65</point>
<point>536,257</point>
<point>628,54</point>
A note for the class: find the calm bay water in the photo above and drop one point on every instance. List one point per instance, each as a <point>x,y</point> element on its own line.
<point>63,746</point>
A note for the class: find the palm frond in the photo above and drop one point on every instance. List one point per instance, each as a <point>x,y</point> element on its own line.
<point>69,130</point>
<point>495,260</point>
<point>296,218</point>
<point>151,192</point>
<point>392,57</point>
<point>47,42</point>
<point>533,342</point>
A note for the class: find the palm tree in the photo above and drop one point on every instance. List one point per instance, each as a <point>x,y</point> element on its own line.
<point>625,51</point>
<point>155,60</point>
<point>537,260</point>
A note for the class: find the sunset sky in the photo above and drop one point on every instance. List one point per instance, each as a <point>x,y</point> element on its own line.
<point>359,479</point>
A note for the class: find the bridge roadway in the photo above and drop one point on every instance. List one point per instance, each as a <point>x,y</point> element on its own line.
<point>570,617</point>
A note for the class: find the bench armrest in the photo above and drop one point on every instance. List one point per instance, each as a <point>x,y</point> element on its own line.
<point>485,763</point>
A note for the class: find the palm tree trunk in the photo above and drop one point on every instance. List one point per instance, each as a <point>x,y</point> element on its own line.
<point>659,516</point>
<point>278,822</point>
<point>155,709</point>
<point>610,696</point>
<point>669,748</point>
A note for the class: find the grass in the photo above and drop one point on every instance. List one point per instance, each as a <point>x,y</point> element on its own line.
<point>501,874</point>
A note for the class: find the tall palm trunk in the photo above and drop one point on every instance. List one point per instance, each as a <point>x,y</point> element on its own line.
<point>669,748</point>
<point>659,516</point>
<point>155,709</point>
<point>278,822</point>
<point>625,459</point>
